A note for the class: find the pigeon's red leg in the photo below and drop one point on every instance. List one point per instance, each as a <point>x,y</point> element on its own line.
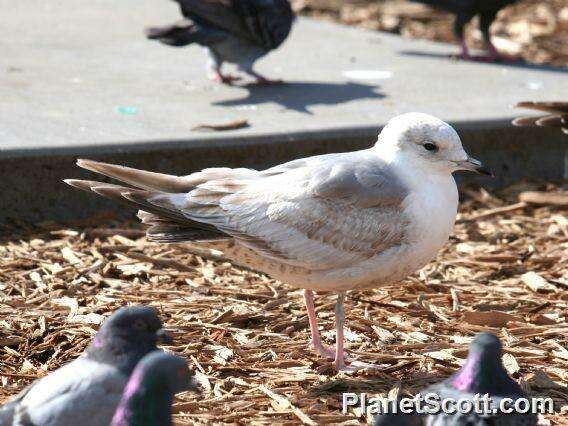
<point>465,51</point>
<point>223,78</point>
<point>316,342</point>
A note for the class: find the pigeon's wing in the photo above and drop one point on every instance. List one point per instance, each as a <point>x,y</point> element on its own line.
<point>82,392</point>
<point>265,23</point>
<point>323,212</point>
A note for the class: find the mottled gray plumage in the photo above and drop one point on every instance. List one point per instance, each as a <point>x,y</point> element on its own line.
<point>556,115</point>
<point>483,373</point>
<point>87,391</point>
<point>147,398</point>
<point>238,32</point>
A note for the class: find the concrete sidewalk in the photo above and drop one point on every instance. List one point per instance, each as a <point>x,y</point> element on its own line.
<point>81,80</point>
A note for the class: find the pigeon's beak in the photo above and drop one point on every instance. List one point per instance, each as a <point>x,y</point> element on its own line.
<point>163,337</point>
<point>474,165</point>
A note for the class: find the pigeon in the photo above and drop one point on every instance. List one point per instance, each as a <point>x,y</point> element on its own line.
<point>330,223</point>
<point>557,115</point>
<point>234,31</point>
<point>148,396</point>
<point>465,10</point>
<point>87,390</point>
<point>483,373</point>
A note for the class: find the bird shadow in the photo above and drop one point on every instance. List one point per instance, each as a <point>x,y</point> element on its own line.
<point>506,63</point>
<point>300,96</point>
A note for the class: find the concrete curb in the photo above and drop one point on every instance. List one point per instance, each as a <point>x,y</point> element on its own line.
<point>33,191</point>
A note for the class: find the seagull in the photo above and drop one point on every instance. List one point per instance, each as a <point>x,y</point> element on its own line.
<point>328,223</point>
<point>234,31</point>
<point>149,394</point>
<point>465,10</point>
<point>483,373</point>
<point>556,115</point>
<point>87,390</point>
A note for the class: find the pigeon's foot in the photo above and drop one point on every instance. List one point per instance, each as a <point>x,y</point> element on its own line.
<point>224,78</point>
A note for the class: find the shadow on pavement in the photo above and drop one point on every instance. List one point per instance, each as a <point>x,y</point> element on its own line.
<point>299,96</point>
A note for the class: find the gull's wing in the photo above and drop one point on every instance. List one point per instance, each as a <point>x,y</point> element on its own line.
<point>265,23</point>
<point>332,211</point>
<point>319,212</point>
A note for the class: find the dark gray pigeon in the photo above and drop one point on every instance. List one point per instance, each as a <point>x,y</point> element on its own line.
<point>557,115</point>
<point>234,31</point>
<point>87,391</point>
<point>465,10</point>
<point>148,396</point>
<point>483,373</point>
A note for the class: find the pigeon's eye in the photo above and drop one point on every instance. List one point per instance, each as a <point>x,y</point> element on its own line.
<point>140,325</point>
<point>430,147</point>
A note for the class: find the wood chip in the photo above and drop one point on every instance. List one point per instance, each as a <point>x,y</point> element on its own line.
<point>550,198</point>
<point>537,283</point>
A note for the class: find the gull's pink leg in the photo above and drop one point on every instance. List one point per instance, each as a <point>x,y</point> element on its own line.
<point>317,343</point>
<point>339,361</point>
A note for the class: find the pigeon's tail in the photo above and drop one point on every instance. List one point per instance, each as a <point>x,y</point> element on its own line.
<point>178,34</point>
<point>557,115</point>
<point>151,192</point>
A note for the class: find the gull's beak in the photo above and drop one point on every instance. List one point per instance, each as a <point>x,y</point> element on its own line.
<point>163,337</point>
<point>474,165</point>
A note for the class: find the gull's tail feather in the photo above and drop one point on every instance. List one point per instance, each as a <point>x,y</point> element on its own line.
<point>165,222</point>
<point>139,178</point>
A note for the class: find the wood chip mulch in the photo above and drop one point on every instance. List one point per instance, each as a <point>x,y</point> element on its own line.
<point>505,270</point>
<point>534,30</point>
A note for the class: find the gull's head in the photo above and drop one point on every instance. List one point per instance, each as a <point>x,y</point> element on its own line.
<point>424,141</point>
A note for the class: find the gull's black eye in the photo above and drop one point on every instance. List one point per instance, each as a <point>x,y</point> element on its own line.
<point>430,147</point>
